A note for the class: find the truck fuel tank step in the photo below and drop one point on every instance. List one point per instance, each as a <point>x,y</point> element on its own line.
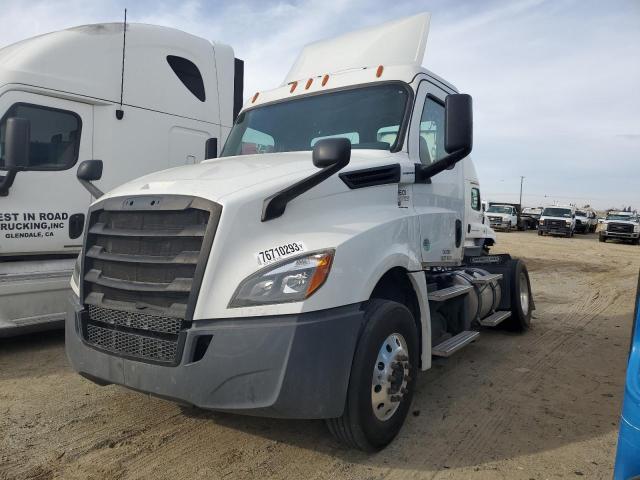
<point>453,344</point>
<point>495,318</point>
<point>492,277</point>
<point>449,292</point>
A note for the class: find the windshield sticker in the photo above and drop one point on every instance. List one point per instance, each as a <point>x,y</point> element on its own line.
<point>272,255</point>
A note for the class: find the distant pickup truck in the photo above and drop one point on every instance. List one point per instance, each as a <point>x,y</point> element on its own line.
<point>508,216</point>
<point>620,225</point>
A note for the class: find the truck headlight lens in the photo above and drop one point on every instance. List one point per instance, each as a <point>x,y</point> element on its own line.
<point>636,228</point>
<point>288,281</point>
<point>568,223</point>
<point>75,277</point>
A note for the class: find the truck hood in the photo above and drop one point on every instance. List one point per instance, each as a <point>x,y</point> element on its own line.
<point>501,215</point>
<point>626,222</point>
<point>221,177</point>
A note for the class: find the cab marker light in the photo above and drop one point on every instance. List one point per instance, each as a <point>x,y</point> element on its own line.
<point>379,71</point>
<point>325,79</point>
<point>255,97</point>
<point>293,86</point>
<point>309,82</point>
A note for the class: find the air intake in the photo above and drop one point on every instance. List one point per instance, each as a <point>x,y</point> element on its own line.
<point>371,177</point>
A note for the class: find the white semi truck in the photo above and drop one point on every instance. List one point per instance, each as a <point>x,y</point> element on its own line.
<point>315,267</point>
<point>171,98</point>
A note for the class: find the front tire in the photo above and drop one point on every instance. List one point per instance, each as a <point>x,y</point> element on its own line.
<point>602,238</point>
<point>382,378</point>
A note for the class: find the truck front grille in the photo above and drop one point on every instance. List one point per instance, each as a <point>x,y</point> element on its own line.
<point>142,268</point>
<point>555,223</point>
<point>620,228</point>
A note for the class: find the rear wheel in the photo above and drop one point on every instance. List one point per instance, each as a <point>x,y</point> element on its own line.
<point>540,232</point>
<point>382,378</point>
<point>521,299</point>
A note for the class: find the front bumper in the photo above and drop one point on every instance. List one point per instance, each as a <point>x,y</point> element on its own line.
<point>290,366</point>
<point>500,225</point>
<point>553,230</point>
<point>627,236</point>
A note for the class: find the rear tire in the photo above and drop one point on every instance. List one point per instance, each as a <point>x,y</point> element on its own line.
<point>387,323</point>
<point>521,299</point>
<point>540,232</point>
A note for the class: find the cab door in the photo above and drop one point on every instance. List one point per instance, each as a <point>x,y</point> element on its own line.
<point>439,203</point>
<point>43,211</point>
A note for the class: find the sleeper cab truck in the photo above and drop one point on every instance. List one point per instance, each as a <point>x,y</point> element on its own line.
<point>315,267</point>
<point>178,92</point>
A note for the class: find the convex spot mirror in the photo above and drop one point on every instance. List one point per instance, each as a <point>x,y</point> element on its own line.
<point>332,151</point>
<point>90,170</point>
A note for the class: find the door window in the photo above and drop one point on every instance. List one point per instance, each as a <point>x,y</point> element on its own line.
<point>55,136</point>
<point>431,132</point>
<point>475,198</point>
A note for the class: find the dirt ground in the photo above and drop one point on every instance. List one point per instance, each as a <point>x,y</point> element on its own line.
<point>535,406</point>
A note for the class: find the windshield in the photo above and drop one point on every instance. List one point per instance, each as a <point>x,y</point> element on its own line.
<point>580,213</point>
<point>500,209</point>
<point>370,117</point>
<point>557,212</point>
<point>617,216</point>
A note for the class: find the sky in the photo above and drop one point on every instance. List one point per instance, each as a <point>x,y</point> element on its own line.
<point>555,83</point>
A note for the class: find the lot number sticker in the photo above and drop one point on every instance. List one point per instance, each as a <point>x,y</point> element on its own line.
<point>271,255</point>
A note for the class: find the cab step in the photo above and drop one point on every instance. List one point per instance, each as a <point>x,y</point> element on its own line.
<point>449,292</point>
<point>495,318</point>
<point>492,277</point>
<point>453,344</point>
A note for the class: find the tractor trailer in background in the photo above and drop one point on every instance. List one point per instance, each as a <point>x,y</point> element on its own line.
<point>171,101</point>
<point>315,267</point>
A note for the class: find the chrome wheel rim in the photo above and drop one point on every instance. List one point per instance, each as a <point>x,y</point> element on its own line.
<point>524,294</point>
<point>390,377</point>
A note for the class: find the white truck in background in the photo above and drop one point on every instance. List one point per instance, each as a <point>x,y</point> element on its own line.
<point>557,220</point>
<point>315,267</point>
<point>586,220</point>
<point>175,99</point>
<point>620,226</point>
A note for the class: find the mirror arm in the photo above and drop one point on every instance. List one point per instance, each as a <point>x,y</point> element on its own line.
<point>425,172</point>
<point>7,181</point>
<point>92,189</point>
<point>274,206</point>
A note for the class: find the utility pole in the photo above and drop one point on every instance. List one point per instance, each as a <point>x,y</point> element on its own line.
<point>521,179</point>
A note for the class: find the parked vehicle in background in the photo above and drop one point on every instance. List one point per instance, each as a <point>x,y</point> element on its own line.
<point>620,226</point>
<point>63,89</point>
<point>557,221</point>
<point>530,217</point>
<point>504,216</point>
<point>586,221</point>
<point>312,277</point>
<point>628,455</point>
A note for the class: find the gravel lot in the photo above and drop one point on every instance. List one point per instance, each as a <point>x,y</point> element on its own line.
<point>540,405</point>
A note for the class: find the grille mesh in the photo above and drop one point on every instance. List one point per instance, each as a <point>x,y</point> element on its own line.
<point>139,321</point>
<point>130,344</point>
<point>620,228</point>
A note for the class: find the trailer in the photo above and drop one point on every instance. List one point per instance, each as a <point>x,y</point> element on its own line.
<point>141,99</point>
<point>315,267</point>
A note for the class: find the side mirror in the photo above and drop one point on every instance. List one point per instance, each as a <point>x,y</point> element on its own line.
<point>458,121</point>
<point>90,171</point>
<point>17,143</point>
<point>332,151</point>
<point>211,148</point>
<point>458,135</point>
<point>16,146</point>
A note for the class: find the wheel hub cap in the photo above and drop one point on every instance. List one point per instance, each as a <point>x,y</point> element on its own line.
<point>390,376</point>
<point>524,293</point>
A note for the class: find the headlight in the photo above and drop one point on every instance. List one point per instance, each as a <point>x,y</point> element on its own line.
<point>541,222</point>
<point>568,223</point>
<point>288,281</point>
<point>75,277</point>
<point>636,228</point>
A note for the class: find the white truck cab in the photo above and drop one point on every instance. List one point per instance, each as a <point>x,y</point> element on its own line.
<point>586,220</point>
<point>557,220</point>
<point>176,94</point>
<point>315,267</point>
<point>621,226</point>
<point>502,216</point>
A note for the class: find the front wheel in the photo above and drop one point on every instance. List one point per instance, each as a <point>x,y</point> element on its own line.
<point>382,378</point>
<point>540,233</point>
<point>602,238</point>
